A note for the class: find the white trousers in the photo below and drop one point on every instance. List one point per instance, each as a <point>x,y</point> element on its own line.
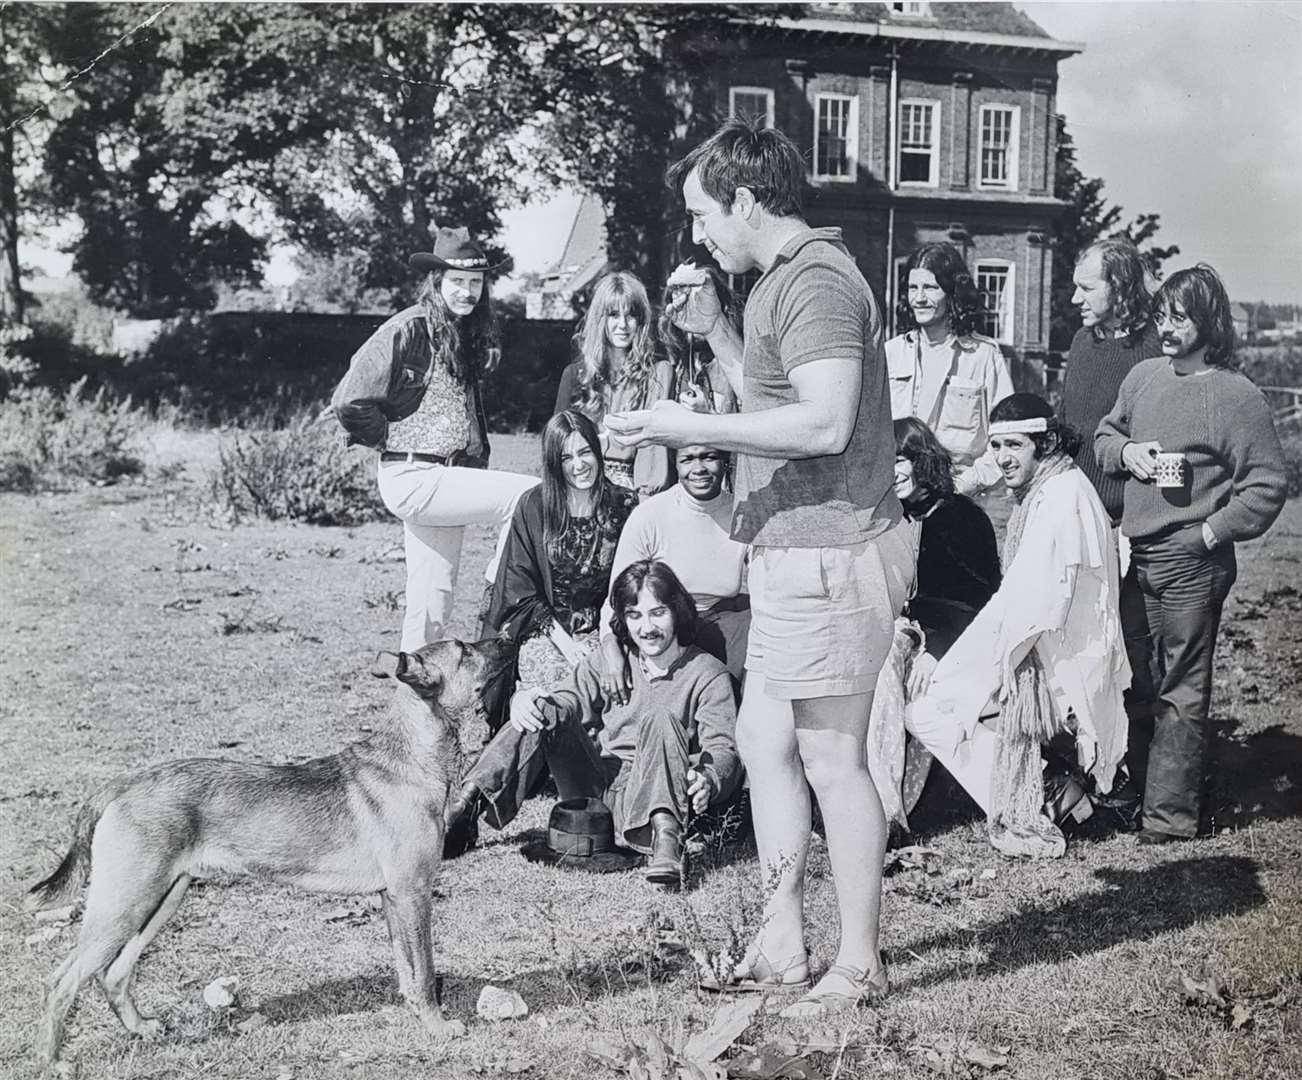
<point>436,503</point>
<point>973,762</point>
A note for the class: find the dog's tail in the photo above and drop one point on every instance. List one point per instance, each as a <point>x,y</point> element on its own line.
<point>62,886</point>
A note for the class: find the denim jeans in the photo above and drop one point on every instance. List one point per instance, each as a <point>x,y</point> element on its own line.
<point>1171,603</point>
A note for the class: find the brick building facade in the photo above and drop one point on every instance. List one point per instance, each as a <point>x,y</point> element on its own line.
<point>921,122</point>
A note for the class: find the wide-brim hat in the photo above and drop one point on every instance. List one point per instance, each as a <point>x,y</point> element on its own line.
<point>581,836</point>
<point>454,250</point>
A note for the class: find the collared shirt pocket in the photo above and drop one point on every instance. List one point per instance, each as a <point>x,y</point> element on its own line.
<point>899,374</point>
<point>962,425</point>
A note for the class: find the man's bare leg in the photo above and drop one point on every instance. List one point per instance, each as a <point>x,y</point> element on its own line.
<point>766,740</point>
<point>830,733</point>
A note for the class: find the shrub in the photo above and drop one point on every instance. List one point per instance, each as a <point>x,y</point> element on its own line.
<point>299,472</point>
<point>50,439</point>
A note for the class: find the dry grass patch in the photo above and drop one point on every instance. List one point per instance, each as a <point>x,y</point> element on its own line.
<point>117,653</point>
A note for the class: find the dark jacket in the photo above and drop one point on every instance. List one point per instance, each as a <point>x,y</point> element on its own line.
<point>386,381</point>
<point>958,570</point>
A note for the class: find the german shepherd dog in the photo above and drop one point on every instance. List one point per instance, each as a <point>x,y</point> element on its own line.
<point>366,820</point>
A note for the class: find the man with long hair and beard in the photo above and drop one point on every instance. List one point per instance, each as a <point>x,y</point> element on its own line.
<point>412,392</point>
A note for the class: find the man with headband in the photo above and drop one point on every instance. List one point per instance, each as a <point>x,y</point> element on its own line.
<point>1047,648</point>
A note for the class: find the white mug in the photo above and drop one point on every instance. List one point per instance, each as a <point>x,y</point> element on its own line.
<point>1169,470</point>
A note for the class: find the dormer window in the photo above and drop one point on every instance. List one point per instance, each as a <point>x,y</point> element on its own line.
<point>913,10</point>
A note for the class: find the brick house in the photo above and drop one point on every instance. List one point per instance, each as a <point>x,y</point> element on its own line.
<point>921,122</point>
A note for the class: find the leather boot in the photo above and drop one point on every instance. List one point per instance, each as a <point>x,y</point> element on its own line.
<point>461,821</point>
<point>665,866</point>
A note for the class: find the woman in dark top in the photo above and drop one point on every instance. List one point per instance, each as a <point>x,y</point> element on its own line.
<point>958,572</point>
<point>958,556</point>
<point>555,568</point>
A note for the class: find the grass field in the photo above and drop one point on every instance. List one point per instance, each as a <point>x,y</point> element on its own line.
<point>134,630</point>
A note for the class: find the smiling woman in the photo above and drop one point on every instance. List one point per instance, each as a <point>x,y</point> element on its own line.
<point>557,557</point>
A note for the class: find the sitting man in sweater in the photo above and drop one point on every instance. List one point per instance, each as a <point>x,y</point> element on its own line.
<point>1204,468</point>
<point>1047,647</point>
<point>667,752</point>
<point>688,526</point>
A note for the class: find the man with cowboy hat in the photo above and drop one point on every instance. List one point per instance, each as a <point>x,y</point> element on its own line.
<point>412,392</point>
<point>665,753</point>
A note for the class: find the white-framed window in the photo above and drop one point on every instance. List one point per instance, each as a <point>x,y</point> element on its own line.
<point>994,281</point>
<point>910,7</point>
<point>919,151</point>
<point>751,101</point>
<point>1000,136</point>
<point>836,136</point>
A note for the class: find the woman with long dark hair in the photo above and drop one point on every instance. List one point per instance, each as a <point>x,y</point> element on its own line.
<point>941,369</point>
<point>958,572</point>
<point>555,567</point>
<point>412,392</point>
<point>618,369</point>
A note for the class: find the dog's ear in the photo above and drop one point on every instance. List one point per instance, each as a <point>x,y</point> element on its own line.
<point>386,663</point>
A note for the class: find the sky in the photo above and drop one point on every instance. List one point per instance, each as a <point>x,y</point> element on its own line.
<point>1191,109</point>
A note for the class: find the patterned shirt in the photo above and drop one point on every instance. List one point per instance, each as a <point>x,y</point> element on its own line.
<point>440,424</point>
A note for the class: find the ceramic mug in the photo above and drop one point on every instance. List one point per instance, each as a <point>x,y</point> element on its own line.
<point>1169,470</point>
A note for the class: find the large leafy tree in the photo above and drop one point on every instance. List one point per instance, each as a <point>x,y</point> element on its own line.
<point>1087,219</point>
<point>27,84</point>
<point>157,150</point>
<point>353,130</point>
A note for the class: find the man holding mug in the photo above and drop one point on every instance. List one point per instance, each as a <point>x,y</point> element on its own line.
<point>1203,467</point>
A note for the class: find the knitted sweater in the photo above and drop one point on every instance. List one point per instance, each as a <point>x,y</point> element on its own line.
<point>1222,423</point>
<point>1094,373</point>
<point>692,537</point>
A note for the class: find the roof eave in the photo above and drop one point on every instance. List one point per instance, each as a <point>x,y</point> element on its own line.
<point>932,33</point>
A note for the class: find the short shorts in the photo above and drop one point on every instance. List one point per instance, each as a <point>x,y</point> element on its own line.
<point>822,619</point>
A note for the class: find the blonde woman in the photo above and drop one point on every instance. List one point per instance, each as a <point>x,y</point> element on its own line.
<point>618,368</point>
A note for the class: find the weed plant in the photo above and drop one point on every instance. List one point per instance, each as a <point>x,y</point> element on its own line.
<point>299,472</point>
<point>51,439</point>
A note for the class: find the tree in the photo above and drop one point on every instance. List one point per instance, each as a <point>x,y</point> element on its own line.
<point>156,153</point>
<point>26,66</point>
<point>624,104</point>
<point>1087,219</point>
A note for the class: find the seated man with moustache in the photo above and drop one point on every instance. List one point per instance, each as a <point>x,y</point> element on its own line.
<point>687,526</point>
<point>667,752</point>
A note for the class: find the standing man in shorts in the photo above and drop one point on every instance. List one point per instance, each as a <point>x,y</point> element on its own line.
<point>832,564</point>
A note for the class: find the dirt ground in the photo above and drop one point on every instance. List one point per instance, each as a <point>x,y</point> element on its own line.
<point>135,630</point>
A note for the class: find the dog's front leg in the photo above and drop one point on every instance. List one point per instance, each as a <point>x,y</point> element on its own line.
<point>408,913</point>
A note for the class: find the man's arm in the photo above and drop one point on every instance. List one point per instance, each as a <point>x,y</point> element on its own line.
<point>716,734</point>
<point>817,424</point>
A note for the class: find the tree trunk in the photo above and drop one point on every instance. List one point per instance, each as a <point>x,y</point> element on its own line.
<point>11,286</point>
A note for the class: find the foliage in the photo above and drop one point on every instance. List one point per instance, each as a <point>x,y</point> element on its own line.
<point>25,33</point>
<point>625,105</point>
<point>50,439</point>
<point>329,282</point>
<point>300,472</point>
<point>156,149</point>
<point>1088,218</point>
<point>1271,366</point>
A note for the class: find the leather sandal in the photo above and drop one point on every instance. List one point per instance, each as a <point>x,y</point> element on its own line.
<point>821,1003</point>
<point>763,977</point>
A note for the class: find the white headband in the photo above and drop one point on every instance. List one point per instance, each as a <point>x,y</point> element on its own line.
<point>1033,425</point>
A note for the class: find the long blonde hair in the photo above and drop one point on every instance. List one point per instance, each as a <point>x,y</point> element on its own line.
<point>615,292</point>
